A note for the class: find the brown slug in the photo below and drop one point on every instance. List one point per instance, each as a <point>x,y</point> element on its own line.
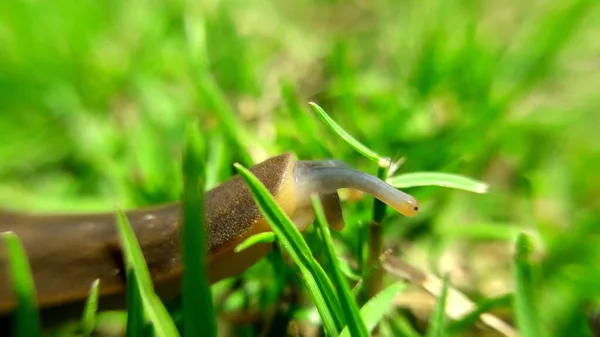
<point>68,252</point>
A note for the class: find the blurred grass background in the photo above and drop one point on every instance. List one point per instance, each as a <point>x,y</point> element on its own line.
<point>95,96</point>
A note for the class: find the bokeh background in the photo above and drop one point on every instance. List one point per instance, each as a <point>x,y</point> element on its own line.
<point>95,96</point>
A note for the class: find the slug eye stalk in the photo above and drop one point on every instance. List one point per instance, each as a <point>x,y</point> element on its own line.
<point>327,176</point>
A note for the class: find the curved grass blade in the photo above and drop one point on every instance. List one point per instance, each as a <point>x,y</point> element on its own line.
<point>26,320</point>
<point>134,260</point>
<point>437,324</point>
<point>524,298</point>
<point>438,179</point>
<point>88,321</point>
<point>372,312</point>
<point>266,237</point>
<point>287,234</point>
<point>356,325</point>
<point>358,146</point>
<point>197,295</point>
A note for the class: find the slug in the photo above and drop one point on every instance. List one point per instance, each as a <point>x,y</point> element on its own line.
<point>68,252</point>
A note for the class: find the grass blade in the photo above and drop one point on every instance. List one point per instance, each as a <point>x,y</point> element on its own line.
<point>372,312</point>
<point>466,322</point>
<point>266,237</point>
<point>290,238</point>
<point>135,310</point>
<point>197,295</point>
<point>358,146</point>
<point>26,319</point>
<point>231,125</point>
<point>134,259</point>
<point>437,325</point>
<point>524,299</point>
<point>88,322</point>
<point>356,326</point>
<point>438,179</point>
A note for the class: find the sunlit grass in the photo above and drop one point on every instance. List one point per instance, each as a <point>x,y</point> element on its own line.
<point>487,97</point>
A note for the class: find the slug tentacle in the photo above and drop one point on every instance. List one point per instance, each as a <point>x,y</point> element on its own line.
<point>329,176</point>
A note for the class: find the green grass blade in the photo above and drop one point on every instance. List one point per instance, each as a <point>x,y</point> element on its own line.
<point>373,311</point>
<point>524,299</point>
<point>134,259</point>
<point>88,321</point>
<point>358,146</point>
<point>215,161</point>
<point>26,319</point>
<point>237,134</point>
<point>135,310</point>
<point>290,238</point>
<point>469,320</point>
<point>438,179</point>
<point>437,324</point>
<point>197,295</point>
<point>356,326</point>
<point>266,237</point>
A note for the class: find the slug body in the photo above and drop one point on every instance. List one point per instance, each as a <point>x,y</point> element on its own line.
<point>68,252</point>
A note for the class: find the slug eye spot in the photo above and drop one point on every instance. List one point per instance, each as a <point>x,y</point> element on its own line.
<point>416,208</point>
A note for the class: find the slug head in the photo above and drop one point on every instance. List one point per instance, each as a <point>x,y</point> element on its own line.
<point>325,177</point>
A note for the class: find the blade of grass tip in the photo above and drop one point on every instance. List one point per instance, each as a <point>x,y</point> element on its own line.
<point>356,326</point>
<point>134,259</point>
<point>88,321</point>
<point>266,237</point>
<point>26,319</point>
<point>373,311</point>
<point>290,238</point>
<point>197,295</point>
<point>437,325</point>
<point>524,299</point>
<point>358,146</point>
<point>135,310</point>
<point>438,179</point>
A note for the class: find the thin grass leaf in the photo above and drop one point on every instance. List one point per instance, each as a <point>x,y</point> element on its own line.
<point>231,125</point>
<point>266,237</point>
<point>437,324</point>
<point>524,299</point>
<point>197,295</point>
<point>88,321</point>
<point>400,326</point>
<point>358,146</point>
<point>134,259</point>
<point>26,319</point>
<point>438,179</point>
<point>466,322</point>
<point>215,162</point>
<point>347,270</point>
<point>287,234</point>
<point>356,326</point>
<point>135,310</point>
<point>373,311</point>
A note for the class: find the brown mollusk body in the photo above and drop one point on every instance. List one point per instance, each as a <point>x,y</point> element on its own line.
<point>68,252</point>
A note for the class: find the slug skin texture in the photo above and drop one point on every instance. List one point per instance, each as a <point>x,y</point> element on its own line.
<point>68,252</point>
